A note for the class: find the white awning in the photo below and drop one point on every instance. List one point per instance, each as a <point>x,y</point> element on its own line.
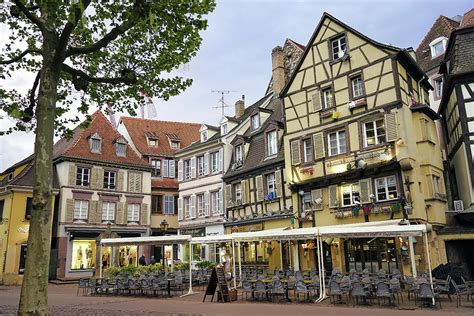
<point>211,239</point>
<point>373,231</point>
<point>277,234</point>
<point>150,240</point>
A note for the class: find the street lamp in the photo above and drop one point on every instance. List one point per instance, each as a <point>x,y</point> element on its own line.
<point>163,227</point>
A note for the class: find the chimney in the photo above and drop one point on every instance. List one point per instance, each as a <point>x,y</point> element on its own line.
<point>240,107</point>
<point>278,69</point>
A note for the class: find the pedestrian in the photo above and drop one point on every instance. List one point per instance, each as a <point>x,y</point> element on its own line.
<point>152,260</point>
<point>142,261</point>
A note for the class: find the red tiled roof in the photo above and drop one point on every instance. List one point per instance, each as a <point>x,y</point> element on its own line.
<point>302,47</point>
<point>164,183</point>
<point>468,19</point>
<point>138,128</point>
<point>78,145</point>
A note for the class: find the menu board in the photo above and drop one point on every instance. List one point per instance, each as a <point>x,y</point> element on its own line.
<point>218,278</point>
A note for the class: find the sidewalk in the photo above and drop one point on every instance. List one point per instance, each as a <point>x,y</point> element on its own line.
<point>63,301</point>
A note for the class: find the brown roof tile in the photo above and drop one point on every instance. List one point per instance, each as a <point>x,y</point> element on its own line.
<point>168,183</point>
<point>186,133</point>
<point>467,19</point>
<point>78,145</point>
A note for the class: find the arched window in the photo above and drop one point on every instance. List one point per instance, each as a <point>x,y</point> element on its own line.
<point>438,46</point>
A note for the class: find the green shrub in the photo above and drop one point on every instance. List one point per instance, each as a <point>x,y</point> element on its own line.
<point>182,266</point>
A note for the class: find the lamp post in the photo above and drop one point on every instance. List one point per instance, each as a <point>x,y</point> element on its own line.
<point>163,227</point>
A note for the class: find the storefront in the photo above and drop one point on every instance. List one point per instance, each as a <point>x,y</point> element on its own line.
<point>212,252</point>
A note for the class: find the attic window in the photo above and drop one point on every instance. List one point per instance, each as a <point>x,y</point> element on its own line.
<point>224,129</point>
<point>121,148</point>
<point>203,136</point>
<point>338,47</point>
<point>175,144</point>
<point>438,46</point>
<point>255,121</point>
<point>10,176</point>
<point>95,143</point>
<point>152,142</point>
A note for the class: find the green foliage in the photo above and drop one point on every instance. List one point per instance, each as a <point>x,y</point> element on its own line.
<point>132,270</point>
<point>182,266</point>
<point>206,264</point>
<point>107,52</point>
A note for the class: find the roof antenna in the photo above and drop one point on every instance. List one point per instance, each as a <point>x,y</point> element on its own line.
<point>222,105</point>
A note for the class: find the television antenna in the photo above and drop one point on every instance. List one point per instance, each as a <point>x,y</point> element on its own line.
<point>222,105</point>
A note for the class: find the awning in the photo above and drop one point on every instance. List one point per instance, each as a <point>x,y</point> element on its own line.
<point>151,240</point>
<point>211,239</point>
<point>277,234</point>
<point>373,231</point>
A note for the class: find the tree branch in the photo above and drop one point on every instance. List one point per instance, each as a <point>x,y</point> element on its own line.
<point>27,12</point>
<point>138,11</point>
<point>29,111</point>
<point>23,54</point>
<point>69,28</point>
<point>81,79</point>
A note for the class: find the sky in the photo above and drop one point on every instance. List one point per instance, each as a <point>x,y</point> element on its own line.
<point>236,50</point>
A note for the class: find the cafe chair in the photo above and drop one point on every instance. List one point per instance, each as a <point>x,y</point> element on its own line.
<point>260,290</point>
<point>383,291</point>
<point>336,293</point>
<point>426,295</point>
<point>301,289</point>
<point>358,291</point>
<point>277,289</point>
<point>246,288</point>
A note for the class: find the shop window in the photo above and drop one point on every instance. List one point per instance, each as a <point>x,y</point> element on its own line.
<point>29,205</point>
<point>200,166</point>
<point>169,204</point>
<point>81,209</point>
<point>83,254</point>
<point>386,188</point>
<point>350,194</point>
<point>23,251</point>
<point>82,176</point>
<point>156,202</point>
<point>156,163</point>
<point>133,214</point>
<point>108,212</point>
<point>374,132</point>
<point>337,143</point>
<point>200,205</point>
<point>109,179</point>
<point>128,256</point>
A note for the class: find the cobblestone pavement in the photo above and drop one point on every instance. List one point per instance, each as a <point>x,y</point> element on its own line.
<point>63,301</point>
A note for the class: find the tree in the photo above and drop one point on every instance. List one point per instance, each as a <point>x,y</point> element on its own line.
<point>86,52</point>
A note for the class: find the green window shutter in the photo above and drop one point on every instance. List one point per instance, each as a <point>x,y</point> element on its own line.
<point>391,127</point>
<point>72,175</point>
<point>259,180</point>
<point>333,196</point>
<point>316,99</point>
<point>121,218</point>
<point>295,152</point>
<point>228,196</point>
<point>315,195</point>
<point>120,179</point>
<point>279,184</point>
<point>92,216</point>
<point>365,190</point>
<point>69,210</point>
<point>318,143</point>
<point>144,214</point>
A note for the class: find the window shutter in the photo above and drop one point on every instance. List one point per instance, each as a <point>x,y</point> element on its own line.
<point>318,143</point>
<point>193,206</point>
<point>180,209</point>
<point>220,160</point>
<point>144,214</point>
<point>72,175</point>
<point>391,127</point>
<point>333,196</point>
<point>120,179</point>
<point>221,202</point>
<point>244,193</point>
<point>278,183</point>
<point>317,194</point>
<point>69,210</point>
<point>138,182</point>
<point>295,152</point>
<point>206,164</point>
<point>425,129</point>
<point>207,204</point>
<point>228,195</point>
<point>92,216</point>
<point>100,178</point>
<point>365,190</point>
<point>121,218</point>
<point>193,167</point>
<point>165,168</point>
<point>171,167</point>
<point>259,180</point>
<point>99,212</point>
<point>180,170</point>
<point>316,98</point>
<point>131,181</point>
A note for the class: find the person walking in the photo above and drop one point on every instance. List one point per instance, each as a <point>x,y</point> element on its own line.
<point>142,261</point>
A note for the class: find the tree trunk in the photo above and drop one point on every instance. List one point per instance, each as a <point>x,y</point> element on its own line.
<point>34,291</point>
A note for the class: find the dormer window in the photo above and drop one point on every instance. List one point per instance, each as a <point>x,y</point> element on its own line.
<point>152,142</point>
<point>121,147</point>
<point>224,129</point>
<point>239,154</point>
<point>203,136</point>
<point>272,143</point>
<point>95,143</point>
<point>438,46</point>
<point>175,144</point>
<point>255,119</point>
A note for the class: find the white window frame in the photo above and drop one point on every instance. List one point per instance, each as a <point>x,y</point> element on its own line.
<point>156,163</point>
<point>272,143</point>
<point>200,166</point>
<point>108,212</point>
<point>187,206</point>
<point>203,136</point>
<point>152,142</point>
<point>238,191</point>
<point>338,47</point>
<point>200,205</point>
<point>341,146</point>
<point>384,187</point>
<point>174,144</point>
<point>215,162</point>
<point>328,101</point>
<point>351,192</point>
<point>239,153</point>
<point>110,179</point>
<point>215,202</point>
<point>96,145</point>
<point>255,121</point>
<point>357,87</point>
<point>187,169</point>
<point>133,213</point>
<point>307,151</point>
<point>306,201</point>
<point>434,43</point>
<point>224,129</point>
<point>438,90</point>
<point>271,183</point>
<point>81,210</point>
<point>376,132</point>
<point>168,205</point>
<point>85,174</point>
